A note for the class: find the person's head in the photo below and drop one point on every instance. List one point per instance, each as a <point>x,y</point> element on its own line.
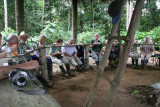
<point>96,36</point>
<point>59,41</point>
<point>23,36</point>
<point>70,41</point>
<point>42,39</point>
<point>148,38</point>
<point>12,39</point>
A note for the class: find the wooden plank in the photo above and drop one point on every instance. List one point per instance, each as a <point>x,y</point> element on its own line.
<point>86,56</point>
<point>12,98</point>
<point>118,37</point>
<point>125,53</point>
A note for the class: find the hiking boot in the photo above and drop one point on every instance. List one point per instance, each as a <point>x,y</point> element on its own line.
<point>44,81</point>
<point>71,74</point>
<point>66,75</point>
<point>50,77</point>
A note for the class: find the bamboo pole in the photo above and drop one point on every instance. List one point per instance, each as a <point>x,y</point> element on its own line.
<point>86,56</point>
<point>102,64</point>
<point>126,49</point>
<point>43,62</point>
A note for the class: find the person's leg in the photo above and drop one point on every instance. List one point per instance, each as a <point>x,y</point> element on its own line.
<point>42,79</point>
<point>60,64</point>
<point>147,58</point>
<point>136,63</point>
<point>78,61</point>
<point>95,57</point>
<point>133,63</point>
<point>65,61</point>
<point>49,68</point>
<point>142,60</point>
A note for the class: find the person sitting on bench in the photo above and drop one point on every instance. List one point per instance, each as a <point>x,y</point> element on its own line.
<point>70,53</point>
<point>57,58</point>
<point>12,42</point>
<point>146,51</point>
<point>96,50</point>
<point>134,55</point>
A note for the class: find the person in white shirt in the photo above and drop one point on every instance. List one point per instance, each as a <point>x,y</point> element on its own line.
<point>70,53</point>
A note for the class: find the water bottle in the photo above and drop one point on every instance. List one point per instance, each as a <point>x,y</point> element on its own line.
<point>8,50</point>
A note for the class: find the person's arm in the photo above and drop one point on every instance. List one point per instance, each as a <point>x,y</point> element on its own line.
<point>3,54</point>
<point>65,52</point>
<point>4,70</point>
<point>91,46</point>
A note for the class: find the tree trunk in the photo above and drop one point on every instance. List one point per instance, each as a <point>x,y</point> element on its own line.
<point>5,14</point>
<point>43,12</point>
<point>126,49</point>
<point>129,12</point>
<point>74,20</point>
<point>19,14</point>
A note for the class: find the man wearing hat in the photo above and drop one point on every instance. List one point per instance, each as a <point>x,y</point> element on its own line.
<point>23,46</point>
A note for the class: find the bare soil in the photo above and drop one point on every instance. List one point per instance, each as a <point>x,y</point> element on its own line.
<point>73,92</point>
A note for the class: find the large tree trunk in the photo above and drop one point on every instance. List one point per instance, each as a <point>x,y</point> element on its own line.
<point>5,14</point>
<point>19,14</point>
<point>74,20</point>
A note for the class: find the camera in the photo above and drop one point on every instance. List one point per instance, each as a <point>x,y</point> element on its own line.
<point>18,78</point>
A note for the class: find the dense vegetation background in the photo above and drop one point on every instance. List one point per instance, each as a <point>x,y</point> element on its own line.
<point>92,18</point>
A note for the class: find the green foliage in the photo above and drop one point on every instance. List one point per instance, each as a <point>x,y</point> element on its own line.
<point>92,18</point>
<point>53,31</point>
<point>140,36</point>
<point>6,32</point>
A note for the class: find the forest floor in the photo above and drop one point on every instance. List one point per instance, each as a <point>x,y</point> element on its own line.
<point>73,92</point>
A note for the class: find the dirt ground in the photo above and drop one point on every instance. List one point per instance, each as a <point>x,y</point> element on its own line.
<point>73,92</point>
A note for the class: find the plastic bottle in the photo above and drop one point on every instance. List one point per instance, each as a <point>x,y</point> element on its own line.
<point>8,50</point>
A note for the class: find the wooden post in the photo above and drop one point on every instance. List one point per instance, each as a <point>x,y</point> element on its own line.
<point>86,56</point>
<point>129,12</point>
<point>120,51</point>
<point>42,59</point>
<point>19,14</point>
<point>5,14</point>
<point>103,63</point>
<point>74,20</point>
<point>126,49</point>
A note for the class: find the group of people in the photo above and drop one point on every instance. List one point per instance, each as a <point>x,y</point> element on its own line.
<point>146,49</point>
<point>66,54</point>
<point>58,55</point>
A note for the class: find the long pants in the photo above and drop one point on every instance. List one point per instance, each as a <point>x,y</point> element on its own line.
<point>59,62</point>
<point>95,56</point>
<point>145,57</point>
<point>74,61</point>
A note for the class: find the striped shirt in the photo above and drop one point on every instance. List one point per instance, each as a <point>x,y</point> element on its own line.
<point>147,48</point>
